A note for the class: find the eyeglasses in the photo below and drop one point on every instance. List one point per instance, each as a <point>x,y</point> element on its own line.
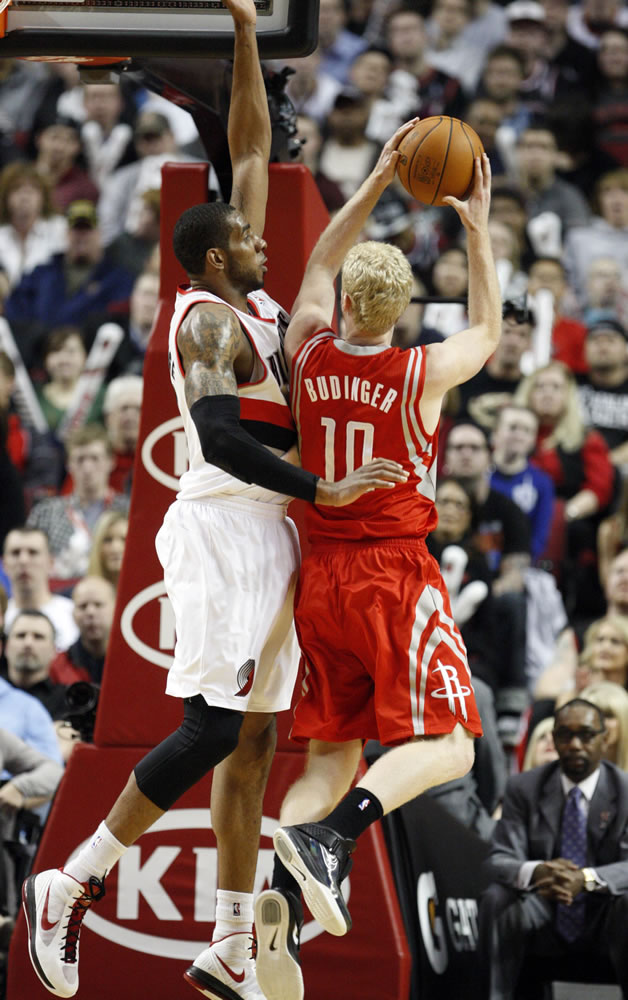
<point>565,736</point>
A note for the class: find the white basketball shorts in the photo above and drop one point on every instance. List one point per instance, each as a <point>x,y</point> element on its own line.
<point>230,569</point>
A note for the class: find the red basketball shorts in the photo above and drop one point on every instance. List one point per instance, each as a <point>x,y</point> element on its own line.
<point>383,658</point>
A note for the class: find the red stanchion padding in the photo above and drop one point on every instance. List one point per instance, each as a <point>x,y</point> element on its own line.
<point>158,911</point>
<point>295,218</point>
<point>182,185</point>
<point>133,709</point>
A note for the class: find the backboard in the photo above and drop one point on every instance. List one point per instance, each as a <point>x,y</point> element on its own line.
<point>64,29</point>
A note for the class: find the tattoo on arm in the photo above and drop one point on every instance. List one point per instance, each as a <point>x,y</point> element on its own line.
<point>209,341</point>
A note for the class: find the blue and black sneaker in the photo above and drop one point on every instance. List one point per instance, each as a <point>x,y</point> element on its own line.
<point>319,859</point>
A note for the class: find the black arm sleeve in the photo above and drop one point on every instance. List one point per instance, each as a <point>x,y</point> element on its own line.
<point>227,445</point>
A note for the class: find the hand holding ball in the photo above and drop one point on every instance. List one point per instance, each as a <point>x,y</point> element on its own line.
<point>437,158</point>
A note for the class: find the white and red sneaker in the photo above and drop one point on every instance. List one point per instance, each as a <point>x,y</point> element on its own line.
<point>278,923</point>
<point>55,904</point>
<point>226,970</point>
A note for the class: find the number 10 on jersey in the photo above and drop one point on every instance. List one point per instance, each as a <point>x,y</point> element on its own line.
<point>354,430</point>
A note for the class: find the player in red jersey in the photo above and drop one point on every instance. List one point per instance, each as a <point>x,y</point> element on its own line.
<point>383,657</point>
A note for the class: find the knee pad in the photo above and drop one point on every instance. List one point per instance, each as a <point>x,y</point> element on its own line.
<point>205,737</point>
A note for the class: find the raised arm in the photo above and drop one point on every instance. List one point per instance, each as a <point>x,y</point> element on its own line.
<point>314,305</point>
<point>248,128</point>
<point>462,355</point>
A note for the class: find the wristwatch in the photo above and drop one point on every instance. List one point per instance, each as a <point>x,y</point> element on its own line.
<point>590,880</point>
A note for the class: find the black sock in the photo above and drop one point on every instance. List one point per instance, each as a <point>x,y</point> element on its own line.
<point>355,813</point>
<point>284,880</point>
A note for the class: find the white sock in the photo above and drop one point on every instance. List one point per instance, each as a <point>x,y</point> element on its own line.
<point>97,857</point>
<point>234,915</point>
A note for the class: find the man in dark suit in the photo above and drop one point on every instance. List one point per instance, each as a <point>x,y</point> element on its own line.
<point>559,860</point>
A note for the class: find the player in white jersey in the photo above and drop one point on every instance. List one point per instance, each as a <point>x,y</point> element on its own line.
<point>230,560</point>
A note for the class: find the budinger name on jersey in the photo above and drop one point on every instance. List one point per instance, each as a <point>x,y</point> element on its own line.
<point>352,388</point>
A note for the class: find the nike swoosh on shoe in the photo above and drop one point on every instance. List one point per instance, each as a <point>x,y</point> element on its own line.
<point>46,924</point>
<point>237,977</point>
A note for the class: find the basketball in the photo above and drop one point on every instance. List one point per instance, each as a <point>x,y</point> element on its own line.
<point>437,159</point>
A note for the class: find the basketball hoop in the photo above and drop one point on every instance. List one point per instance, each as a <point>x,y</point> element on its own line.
<point>150,28</point>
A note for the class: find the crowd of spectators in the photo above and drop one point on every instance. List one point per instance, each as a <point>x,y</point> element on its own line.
<point>533,490</point>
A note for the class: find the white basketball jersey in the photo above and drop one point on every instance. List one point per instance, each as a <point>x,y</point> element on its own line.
<point>263,407</point>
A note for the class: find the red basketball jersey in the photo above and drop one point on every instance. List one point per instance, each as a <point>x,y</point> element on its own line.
<point>352,403</point>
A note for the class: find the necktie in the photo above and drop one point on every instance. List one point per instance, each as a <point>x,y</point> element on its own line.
<point>573,845</point>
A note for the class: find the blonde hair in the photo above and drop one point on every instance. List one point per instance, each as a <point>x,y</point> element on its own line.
<point>378,279</point>
<point>104,524</point>
<point>612,699</point>
<point>569,431</point>
<point>618,623</point>
<point>540,730</point>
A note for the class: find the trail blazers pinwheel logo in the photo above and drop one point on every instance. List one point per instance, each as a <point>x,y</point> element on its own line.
<point>246,673</point>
